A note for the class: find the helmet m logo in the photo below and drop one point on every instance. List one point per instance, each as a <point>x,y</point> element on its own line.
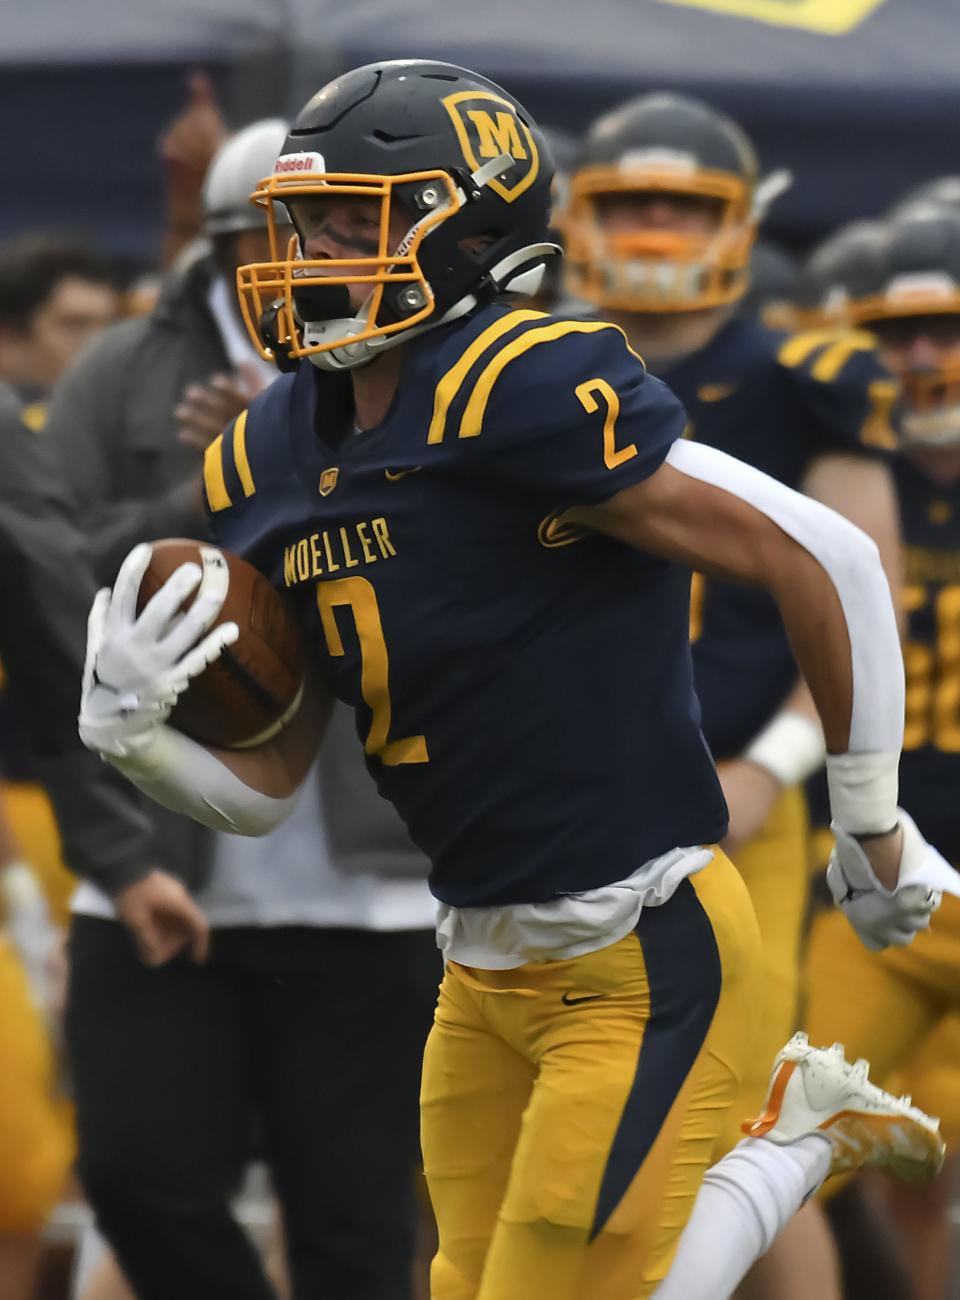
<point>487,126</point>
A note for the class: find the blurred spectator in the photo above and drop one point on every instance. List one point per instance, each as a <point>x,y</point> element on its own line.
<point>54,297</point>
<point>187,147</point>
<point>45,589</point>
<point>129,449</point>
<point>304,1030</point>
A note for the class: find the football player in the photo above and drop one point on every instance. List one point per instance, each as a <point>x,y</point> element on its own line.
<point>835,271</point>
<point>664,211</point>
<point>486,518</point>
<point>894,1004</point>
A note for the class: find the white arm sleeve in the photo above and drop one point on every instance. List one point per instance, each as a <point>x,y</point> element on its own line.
<point>863,782</point>
<point>180,774</point>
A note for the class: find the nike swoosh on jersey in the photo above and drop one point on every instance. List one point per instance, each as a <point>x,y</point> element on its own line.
<point>395,475</point>
<point>715,392</point>
<point>568,1001</point>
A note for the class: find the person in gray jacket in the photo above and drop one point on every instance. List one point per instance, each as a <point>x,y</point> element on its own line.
<point>45,586</point>
<point>300,1037</point>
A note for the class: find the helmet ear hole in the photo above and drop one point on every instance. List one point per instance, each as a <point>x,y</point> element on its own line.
<point>476,245</point>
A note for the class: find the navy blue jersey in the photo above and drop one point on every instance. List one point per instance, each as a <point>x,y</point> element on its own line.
<point>523,688</point>
<point>777,402</point>
<point>930,767</point>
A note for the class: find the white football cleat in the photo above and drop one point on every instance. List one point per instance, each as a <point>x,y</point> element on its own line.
<point>814,1090</point>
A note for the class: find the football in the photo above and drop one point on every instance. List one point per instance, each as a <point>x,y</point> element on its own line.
<point>254,688</point>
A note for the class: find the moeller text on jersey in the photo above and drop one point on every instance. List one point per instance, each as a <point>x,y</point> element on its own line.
<point>364,542</point>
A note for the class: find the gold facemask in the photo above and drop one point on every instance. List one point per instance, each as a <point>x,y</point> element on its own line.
<point>658,270</point>
<point>271,285</point>
<point>930,395</point>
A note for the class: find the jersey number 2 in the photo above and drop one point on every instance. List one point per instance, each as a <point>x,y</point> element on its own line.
<point>612,455</point>
<point>361,599</point>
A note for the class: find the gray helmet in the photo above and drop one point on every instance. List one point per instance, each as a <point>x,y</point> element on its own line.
<point>915,293</point>
<point>943,192</point>
<point>240,164</point>
<point>839,270</point>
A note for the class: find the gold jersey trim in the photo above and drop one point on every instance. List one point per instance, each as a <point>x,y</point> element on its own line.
<point>214,483</point>
<point>451,383</point>
<point>471,425</point>
<point>240,455</point>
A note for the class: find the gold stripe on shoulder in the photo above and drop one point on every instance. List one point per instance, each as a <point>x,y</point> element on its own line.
<point>833,359</point>
<point>797,349</point>
<point>472,422</point>
<point>240,455</point>
<point>214,484</point>
<point>452,381</point>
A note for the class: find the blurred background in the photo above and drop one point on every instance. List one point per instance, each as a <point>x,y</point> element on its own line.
<point>858,98</point>
<point>113,112</point>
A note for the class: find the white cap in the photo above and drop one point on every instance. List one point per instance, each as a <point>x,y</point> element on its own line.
<point>240,163</point>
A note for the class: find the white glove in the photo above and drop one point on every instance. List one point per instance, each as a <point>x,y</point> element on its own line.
<point>136,668</point>
<point>29,928</point>
<point>883,916</point>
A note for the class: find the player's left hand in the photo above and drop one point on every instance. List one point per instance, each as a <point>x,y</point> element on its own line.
<point>880,915</point>
<point>750,792</point>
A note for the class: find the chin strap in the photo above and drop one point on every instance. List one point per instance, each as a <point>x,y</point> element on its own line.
<point>520,272</point>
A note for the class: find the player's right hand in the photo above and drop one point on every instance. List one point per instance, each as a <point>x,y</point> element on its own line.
<point>163,919</point>
<point>138,665</point>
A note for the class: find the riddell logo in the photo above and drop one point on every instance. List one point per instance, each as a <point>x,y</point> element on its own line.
<point>298,162</point>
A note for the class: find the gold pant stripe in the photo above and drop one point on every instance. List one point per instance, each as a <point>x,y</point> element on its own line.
<point>775,870</point>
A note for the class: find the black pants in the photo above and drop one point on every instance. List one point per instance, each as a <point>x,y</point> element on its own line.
<point>312,1038</point>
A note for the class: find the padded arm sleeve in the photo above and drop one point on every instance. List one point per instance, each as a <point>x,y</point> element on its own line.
<point>182,775</point>
<point>852,563</point>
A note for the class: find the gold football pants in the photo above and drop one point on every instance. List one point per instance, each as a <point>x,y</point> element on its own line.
<point>896,1007</point>
<point>34,826</point>
<point>775,869</point>
<point>36,1137</point>
<point>571,1108</point>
